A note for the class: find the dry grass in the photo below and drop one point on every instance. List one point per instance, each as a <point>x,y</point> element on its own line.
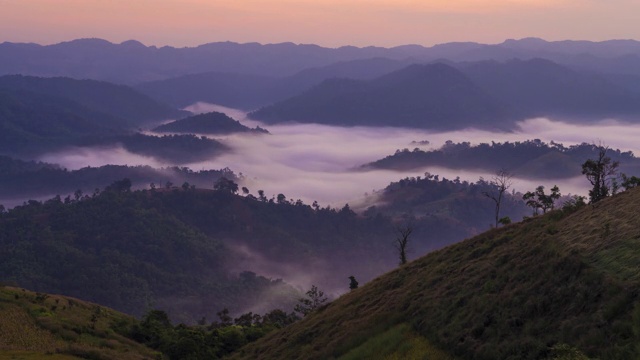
<point>34,325</point>
<point>510,293</point>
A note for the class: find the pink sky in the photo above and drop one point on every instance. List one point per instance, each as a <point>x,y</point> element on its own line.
<point>324,22</point>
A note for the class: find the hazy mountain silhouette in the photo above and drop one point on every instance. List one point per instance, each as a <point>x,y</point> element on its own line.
<point>132,62</point>
<point>435,96</point>
<point>209,123</point>
<point>35,122</point>
<point>250,92</point>
<point>540,87</point>
<point>116,100</point>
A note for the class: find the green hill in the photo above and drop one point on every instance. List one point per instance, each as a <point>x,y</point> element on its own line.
<point>37,325</point>
<point>563,285</point>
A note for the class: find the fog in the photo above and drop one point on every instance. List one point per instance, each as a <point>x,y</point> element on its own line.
<point>315,162</point>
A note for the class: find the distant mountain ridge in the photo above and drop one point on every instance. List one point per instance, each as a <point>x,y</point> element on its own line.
<point>132,62</point>
<point>487,94</point>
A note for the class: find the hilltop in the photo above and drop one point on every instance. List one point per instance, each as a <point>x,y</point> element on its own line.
<point>563,283</point>
<point>434,96</point>
<point>210,123</point>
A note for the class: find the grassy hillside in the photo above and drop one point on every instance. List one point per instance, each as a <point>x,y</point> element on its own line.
<point>562,285</point>
<point>36,326</point>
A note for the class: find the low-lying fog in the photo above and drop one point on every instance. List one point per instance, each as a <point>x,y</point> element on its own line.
<point>314,162</point>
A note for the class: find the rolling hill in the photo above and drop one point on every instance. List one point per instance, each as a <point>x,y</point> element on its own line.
<point>37,325</point>
<point>214,123</point>
<point>563,285</point>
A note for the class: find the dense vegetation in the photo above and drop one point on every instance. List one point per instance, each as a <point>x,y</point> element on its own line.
<point>558,284</point>
<point>128,249</point>
<point>209,123</point>
<point>175,149</point>
<point>37,325</point>
<point>21,179</point>
<point>530,159</point>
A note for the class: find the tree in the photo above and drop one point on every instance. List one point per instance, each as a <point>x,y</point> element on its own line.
<point>314,299</point>
<point>501,182</point>
<point>629,182</point>
<point>245,190</point>
<point>226,185</point>
<point>600,172</point>
<point>402,241</point>
<point>123,185</point>
<point>539,200</point>
<point>353,283</point>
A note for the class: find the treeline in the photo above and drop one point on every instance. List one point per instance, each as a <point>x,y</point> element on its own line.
<point>179,248</point>
<point>531,158</point>
<point>21,179</point>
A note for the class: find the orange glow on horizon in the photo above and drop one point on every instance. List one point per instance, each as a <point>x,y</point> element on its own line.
<point>324,22</point>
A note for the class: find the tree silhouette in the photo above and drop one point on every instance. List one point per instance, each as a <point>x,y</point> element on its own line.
<point>226,185</point>
<point>314,299</point>
<point>600,172</point>
<point>402,241</point>
<point>501,182</point>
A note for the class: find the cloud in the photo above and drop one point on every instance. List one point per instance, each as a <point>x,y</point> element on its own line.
<point>314,162</point>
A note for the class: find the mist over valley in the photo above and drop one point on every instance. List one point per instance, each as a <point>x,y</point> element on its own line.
<point>434,198</point>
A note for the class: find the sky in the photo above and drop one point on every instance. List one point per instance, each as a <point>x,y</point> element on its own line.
<point>329,23</point>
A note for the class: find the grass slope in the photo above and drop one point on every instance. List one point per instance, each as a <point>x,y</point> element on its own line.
<point>36,326</point>
<point>559,284</point>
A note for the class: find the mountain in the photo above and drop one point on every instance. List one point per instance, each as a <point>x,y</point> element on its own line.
<point>118,101</point>
<point>240,91</point>
<point>539,87</point>
<point>209,123</point>
<point>33,123</point>
<point>250,92</point>
<point>132,62</point>
<point>434,96</point>
<point>37,325</point>
<point>562,285</point>
<point>531,159</point>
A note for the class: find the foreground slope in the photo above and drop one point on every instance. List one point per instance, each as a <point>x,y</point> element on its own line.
<point>568,279</point>
<point>37,325</point>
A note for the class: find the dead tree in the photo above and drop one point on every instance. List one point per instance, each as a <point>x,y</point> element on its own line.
<point>501,182</point>
<point>402,241</point>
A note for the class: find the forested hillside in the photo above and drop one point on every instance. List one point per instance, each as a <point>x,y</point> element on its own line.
<point>531,159</point>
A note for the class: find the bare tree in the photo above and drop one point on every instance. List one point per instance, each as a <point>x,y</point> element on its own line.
<point>402,241</point>
<point>501,182</point>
